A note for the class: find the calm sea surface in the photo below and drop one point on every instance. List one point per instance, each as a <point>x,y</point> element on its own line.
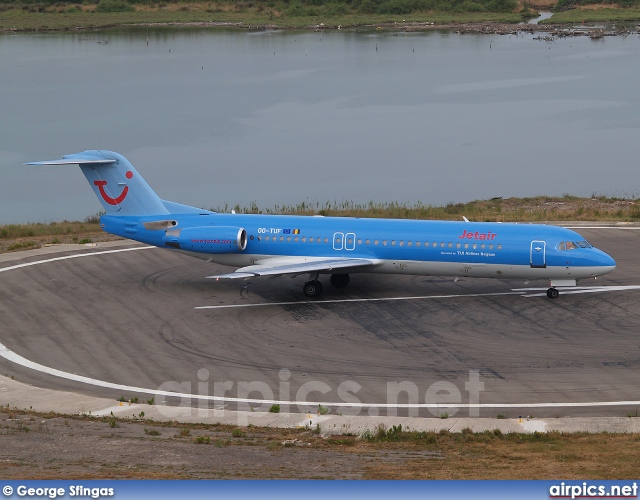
<point>223,117</point>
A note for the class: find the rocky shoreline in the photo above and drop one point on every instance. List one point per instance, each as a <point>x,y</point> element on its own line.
<point>547,32</point>
<point>550,31</point>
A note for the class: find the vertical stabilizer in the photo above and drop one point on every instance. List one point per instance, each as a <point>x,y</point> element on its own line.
<point>118,186</point>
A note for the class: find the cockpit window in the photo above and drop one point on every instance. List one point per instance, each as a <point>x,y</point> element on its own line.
<point>573,245</point>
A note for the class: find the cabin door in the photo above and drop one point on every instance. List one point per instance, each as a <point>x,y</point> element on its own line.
<point>343,241</point>
<point>538,254</point>
<point>338,241</point>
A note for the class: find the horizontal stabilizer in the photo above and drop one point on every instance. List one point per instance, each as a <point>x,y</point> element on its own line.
<point>74,161</point>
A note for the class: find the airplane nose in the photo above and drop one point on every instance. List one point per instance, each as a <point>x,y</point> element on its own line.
<point>606,262</point>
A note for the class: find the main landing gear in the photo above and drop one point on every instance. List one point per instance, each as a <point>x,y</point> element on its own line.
<point>553,293</point>
<point>313,288</point>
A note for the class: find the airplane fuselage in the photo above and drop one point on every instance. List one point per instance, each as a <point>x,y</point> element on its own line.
<point>274,245</point>
<point>443,248</point>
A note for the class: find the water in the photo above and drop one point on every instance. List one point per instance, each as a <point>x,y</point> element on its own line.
<point>224,117</point>
<point>541,17</point>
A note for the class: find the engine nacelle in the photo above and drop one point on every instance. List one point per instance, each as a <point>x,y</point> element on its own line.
<point>207,239</point>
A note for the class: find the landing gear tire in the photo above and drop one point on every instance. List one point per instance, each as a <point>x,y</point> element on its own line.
<point>312,288</point>
<point>339,280</point>
<point>553,293</point>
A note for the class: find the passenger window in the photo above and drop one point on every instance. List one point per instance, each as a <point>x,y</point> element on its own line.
<point>289,239</point>
<point>499,246</point>
<point>401,243</point>
<point>466,245</point>
<point>359,241</point>
<point>434,244</point>
<point>318,240</point>
<point>367,242</point>
<point>281,238</point>
<point>442,244</point>
<point>295,239</point>
<point>326,240</point>
<point>375,242</point>
<point>409,243</point>
<point>450,245</point>
<point>258,238</point>
<point>457,245</point>
<point>304,239</point>
<point>475,246</point>
<point>350,241</point>
<point>393,243</point>
<point>491,246</point>
<point>384,242</point>
<point>417,243</point>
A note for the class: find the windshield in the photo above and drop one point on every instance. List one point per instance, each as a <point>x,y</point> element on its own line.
<point>573,245</point>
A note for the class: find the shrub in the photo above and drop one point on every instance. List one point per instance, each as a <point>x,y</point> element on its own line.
<point>394,7</point>
<point>94,219</point>
<point>114,6</point>
<point>368,7</point>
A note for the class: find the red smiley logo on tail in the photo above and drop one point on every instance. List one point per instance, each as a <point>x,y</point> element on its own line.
<point>109,199</point>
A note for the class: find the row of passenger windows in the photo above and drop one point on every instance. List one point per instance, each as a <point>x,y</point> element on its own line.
<point>349,242</point>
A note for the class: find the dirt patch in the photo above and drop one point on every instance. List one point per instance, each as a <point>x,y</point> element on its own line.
<point>36,446</point>
<point>42,447</point>
<point>31,242</point>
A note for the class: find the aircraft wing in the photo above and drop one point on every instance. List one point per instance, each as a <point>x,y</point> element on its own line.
<point>294,265</point>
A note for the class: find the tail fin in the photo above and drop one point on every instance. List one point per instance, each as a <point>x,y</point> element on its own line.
<point>118,186</point>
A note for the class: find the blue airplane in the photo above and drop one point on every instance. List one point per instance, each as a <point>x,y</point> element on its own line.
<point>274,245</point>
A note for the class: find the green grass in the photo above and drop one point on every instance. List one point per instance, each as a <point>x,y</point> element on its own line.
<point>579,15</point>
<point>280,14</point>
<point>87,17</point>
<point>22,245</point>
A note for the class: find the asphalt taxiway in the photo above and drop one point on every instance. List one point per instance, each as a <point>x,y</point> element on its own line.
<point>124,320</point>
